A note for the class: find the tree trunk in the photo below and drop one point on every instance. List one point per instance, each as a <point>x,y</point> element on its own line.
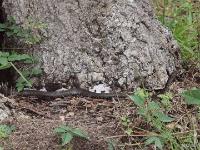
<point>117,42</point>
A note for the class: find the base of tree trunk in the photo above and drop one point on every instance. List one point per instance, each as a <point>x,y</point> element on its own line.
<point>119,43</point>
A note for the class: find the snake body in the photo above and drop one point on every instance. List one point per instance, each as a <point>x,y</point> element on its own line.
<point>74,92</point>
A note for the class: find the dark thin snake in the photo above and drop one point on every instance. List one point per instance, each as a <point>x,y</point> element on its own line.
<point>74,92</point>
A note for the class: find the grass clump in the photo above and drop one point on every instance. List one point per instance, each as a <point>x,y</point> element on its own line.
<point>182,17</point>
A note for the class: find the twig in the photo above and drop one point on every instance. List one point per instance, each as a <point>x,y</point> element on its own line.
<point>135,135</point>
<point>34,111</point>
<point>135,144</point>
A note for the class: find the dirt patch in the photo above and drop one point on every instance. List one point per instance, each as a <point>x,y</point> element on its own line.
<point>35,122</point>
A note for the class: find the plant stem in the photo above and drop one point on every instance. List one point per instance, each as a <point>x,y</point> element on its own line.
<point>29,84</point>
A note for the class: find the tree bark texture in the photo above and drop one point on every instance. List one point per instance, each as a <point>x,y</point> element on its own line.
<point>118,42</point>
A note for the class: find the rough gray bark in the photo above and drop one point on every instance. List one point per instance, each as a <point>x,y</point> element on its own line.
<point>4,110</point>
<point>113,41</point>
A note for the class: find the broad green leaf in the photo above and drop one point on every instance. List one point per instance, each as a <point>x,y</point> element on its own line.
<point>74,132</point>
<point>3,61</point>
<point>166,96</point>
<point>29,61</point>
<point>162,117</point>
<point>2,25</point>
<point>4,64</point>
<point>192,96</point>
<point>4,54</point>
<point>167,134</point>
<point>2,29</point>
<point>124,118</point>
<point>129,131</point>
<point>142,93</point>
<point>150,140</point>
<point>1,148</point>
<point>5,67</point>
<point>66,138</point>
<point>154,140</point>
<point>62,129</point>
<point>20,87</point>
<point>142,111</point>
<point>36,71</point>
<point>16,29</point>
<point>158,143</point>
<point>18,57</point>
<point>6,130</point>
<point>111,145</point>
<point>153,106</point>
<point>139,101</point>
<point>125,121</point>
<point>157,123</point>
<point>80,133</point>
<point>21,83</point>
<point>20,79</point>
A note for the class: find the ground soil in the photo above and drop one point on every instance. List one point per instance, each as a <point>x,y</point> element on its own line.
<point>36,119</point>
